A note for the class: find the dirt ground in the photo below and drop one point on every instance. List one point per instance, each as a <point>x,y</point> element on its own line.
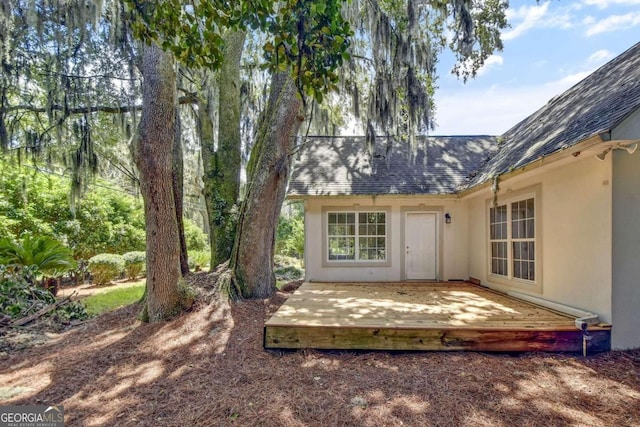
<point>208,368</point>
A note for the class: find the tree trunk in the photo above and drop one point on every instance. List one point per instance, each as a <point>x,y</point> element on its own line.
<point>268,173</point>
<point>153,155</point>
<point>178,192</point>
<point>222,166</point>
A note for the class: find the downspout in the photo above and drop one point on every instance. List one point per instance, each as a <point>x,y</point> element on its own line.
<point>584,318</point>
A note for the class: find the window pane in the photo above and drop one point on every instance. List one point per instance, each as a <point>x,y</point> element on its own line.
<point>516,250</point>
<point>382,217</point>
<point>531,229</point>
<point>502,213</point>
<point>341,248</point>
<point>381,230</point>
<point>530,209</point>
<point>516,269</point>
<point>532,271</point>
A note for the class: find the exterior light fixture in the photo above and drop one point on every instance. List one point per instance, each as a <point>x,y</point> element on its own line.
<point>628,147</point>
<point>447,218</point>
<point>602,155</point>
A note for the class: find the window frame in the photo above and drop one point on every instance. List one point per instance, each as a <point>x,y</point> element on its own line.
<point>356,262</point>
<point>510,278</point>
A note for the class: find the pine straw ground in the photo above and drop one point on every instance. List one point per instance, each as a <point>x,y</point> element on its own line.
<point>208,368</point>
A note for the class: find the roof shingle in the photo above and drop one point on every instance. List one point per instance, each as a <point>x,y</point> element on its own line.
<point>343,166</point>
<point>593,106</point>
<point>447,164</point>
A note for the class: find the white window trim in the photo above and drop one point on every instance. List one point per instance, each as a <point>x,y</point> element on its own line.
<point>510,281</point>
<point>326,262</point>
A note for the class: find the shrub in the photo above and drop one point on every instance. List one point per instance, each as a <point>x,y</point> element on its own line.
<point>134,263</point>
<point>19,298</point>
<point>45,254</point>
<point>287,268</point>
<point>290,231</point>
<point>196,239</point>
<point>106,267</point>
<point>199,259</point>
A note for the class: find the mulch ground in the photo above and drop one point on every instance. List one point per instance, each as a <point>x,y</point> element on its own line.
<point>208,368</point>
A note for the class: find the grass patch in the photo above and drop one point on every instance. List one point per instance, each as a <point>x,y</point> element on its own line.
<point>114,298</point>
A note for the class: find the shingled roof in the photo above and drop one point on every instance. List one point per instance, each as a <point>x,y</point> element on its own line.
<point>343,166</point>
<point>592,107</point>
<point>447,164</point>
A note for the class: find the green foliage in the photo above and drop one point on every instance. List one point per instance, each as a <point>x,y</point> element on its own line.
<point>196,238</point>
<point>290,233</point>
<point>134,263</point>
<point>38,204</point>
<point>287,268</point>
<point>45,254</point>
<point>106,267</point>
<point>19,298</point>
<point>113,298</point>
<point>199,259</point>
<point>309,37</point>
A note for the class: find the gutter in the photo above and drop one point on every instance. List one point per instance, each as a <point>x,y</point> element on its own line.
<point>584,318</point>
<point>572,151</point>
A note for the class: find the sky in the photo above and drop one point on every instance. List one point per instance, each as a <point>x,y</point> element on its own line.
<point>549,47</point>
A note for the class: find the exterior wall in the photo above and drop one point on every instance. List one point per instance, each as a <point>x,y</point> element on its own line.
<point>626,239</point>
<point>574,233</point>
<point>452,238</point>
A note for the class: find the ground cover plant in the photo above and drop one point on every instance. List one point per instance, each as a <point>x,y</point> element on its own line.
<point>111,299</point>
<point>208,367</point>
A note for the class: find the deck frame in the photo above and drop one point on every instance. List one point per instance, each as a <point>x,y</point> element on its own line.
<point>422,316</point>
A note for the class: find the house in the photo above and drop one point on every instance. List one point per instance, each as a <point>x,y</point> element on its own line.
<point>548,212</point>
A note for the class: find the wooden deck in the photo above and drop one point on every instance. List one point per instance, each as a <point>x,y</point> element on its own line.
<point>422,316</point>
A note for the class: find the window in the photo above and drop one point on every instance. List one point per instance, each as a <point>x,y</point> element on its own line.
<point>512,238</point>
<point>357,236</point>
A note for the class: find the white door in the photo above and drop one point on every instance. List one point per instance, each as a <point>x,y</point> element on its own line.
<point>420,246</point>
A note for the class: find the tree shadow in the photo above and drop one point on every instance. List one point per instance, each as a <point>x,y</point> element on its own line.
<point>345,166</point>
<point>209,368</point>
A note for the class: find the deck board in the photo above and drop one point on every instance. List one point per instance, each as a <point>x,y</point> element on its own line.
<point>421,316</point>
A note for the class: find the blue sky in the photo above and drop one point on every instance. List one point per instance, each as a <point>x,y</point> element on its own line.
<point>550,46</point>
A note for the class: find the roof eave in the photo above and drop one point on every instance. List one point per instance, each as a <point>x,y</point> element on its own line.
<point>350,196</point>
<point>572,151</point>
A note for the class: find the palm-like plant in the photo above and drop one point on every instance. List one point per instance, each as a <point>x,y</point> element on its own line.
<point>46,254</point>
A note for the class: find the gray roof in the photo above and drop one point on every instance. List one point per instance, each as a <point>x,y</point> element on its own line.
<point>447,164</point>
<point>594,106</point>
<point>343,166</point>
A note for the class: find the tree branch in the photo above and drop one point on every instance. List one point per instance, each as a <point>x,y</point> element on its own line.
<point>190,98</point>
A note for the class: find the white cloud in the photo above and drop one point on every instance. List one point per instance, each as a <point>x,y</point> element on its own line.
<point>539,16</point>
<point>491,62</point>
<point>603,4</point>
<point>600,56</point>
<point>494,110</point>
<point>614,23</point>
<point>569,80</point>
<point>531,17</point>
<point>489,111</point>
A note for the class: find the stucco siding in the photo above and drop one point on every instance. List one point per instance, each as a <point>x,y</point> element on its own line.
<point>573,233</point>
<point>626,239</point>
<point>451,238</point>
